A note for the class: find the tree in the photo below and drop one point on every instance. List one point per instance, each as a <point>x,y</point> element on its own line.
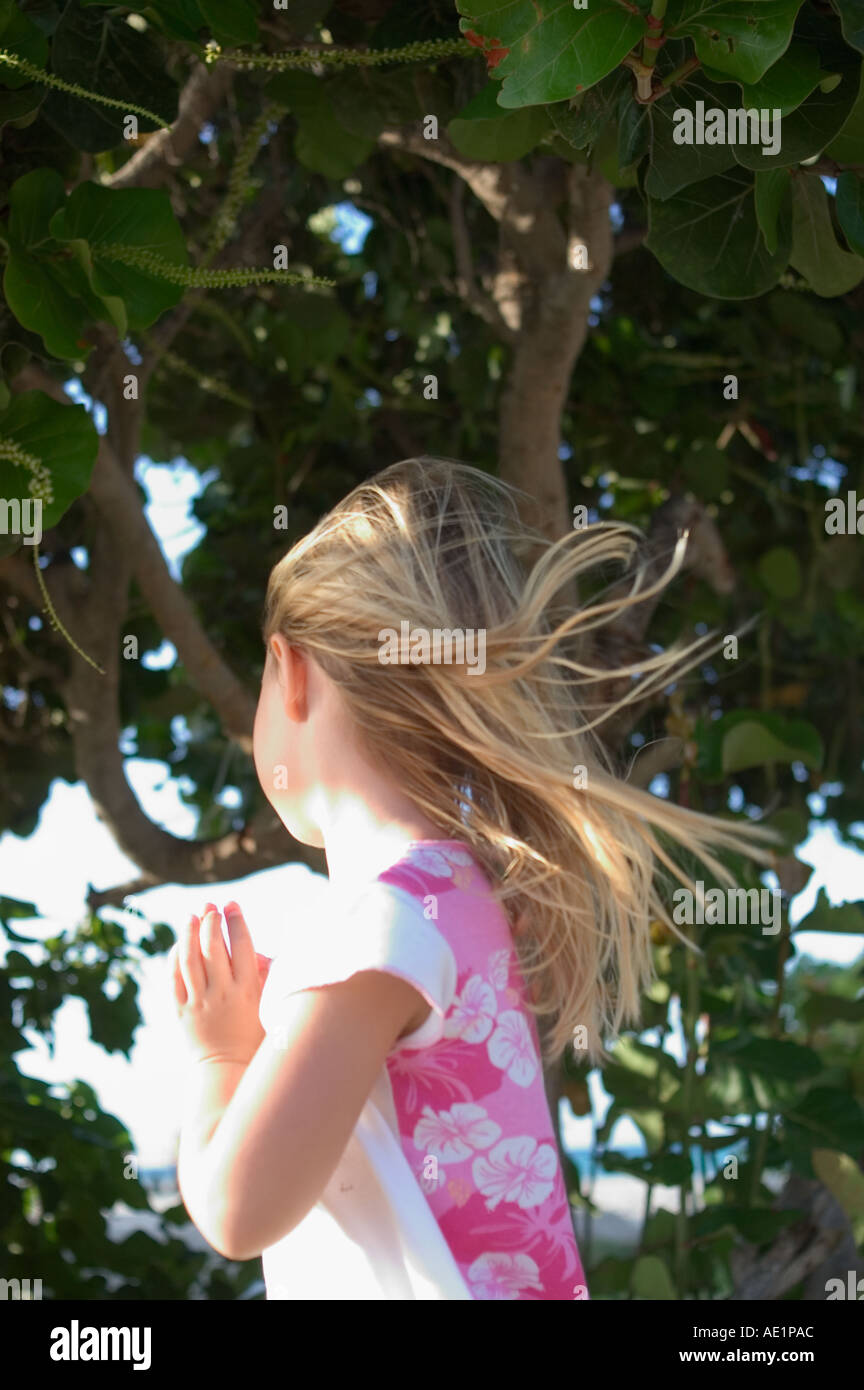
<point>688,361</point>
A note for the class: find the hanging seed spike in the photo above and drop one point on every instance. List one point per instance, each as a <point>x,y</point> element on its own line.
<point>54,618</point>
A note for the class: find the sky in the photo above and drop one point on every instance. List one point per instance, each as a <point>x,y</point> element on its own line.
<point>143,1092</point>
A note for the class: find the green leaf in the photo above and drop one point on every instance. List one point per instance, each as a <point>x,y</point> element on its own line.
<point>179,19</point>
<point>849,201</point>
<point>555,51</point>
<point>19,35</point>
<point>788,81</point>
<point>33,200</point>
<point>755,1224</point>
<point>367,100</point>
<point>231,21</point>
<point>582,121</point>
<point>302,93</point>
<point>739,37</point>
<point>483,131</point>
<point>831,1115</point>
<point>323,144</point>
<point>62,437</point>
<point>851,14</point>
<point>770,1057</point>
<point>635,127</point>
<point>95,216</point>
<point>806,130</point>
<point>803,320</point>
<point>47,294</point>
<point>821,1010</point>
<point>310,329</point>
<point>828,269</point>
<point>780,572</point>
<point>825,916</point>
<point>52,301</point>
<point>848,143</point>
<point>14,907</point>
<point>105,54</point>
<point>675,165</point>
<point>707,237</point>
<point>651,1279</point>
<point>16,106</point>
<point>845,1181</point>
<point>773,198</point>
<point>752,738</point>
<point>754,742</point>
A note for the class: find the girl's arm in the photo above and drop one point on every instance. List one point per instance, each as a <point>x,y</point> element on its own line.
<point>250,1174</point>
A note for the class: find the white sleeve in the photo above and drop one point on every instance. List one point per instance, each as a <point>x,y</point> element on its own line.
<point>383,928</point>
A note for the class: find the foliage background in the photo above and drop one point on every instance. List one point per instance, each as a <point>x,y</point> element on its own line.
<point>601,385</point>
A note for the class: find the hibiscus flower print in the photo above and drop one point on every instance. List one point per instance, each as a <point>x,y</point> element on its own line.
<point>471,1016</point>
<point>454,1134</point>
<point>498,1275</point>
<point>439,863</point>
<point>499,968</point>
<point>517,1170</point>
<point>511,1047</point>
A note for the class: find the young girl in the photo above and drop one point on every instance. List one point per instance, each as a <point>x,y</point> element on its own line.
<point>373,1122</point>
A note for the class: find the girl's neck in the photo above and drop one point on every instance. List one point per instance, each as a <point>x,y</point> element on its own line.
<point>360,846</point>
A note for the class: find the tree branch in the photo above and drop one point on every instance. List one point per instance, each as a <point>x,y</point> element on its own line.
<point>164,150</point>
<point>466,285</point>
<point>115,496</point>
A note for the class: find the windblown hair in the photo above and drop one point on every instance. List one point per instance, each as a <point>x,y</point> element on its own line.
<point>490,756</point>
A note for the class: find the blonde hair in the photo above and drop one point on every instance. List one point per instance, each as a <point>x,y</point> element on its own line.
<point>490,756</point>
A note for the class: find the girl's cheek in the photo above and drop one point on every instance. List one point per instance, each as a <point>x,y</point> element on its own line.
<point>262,742</point>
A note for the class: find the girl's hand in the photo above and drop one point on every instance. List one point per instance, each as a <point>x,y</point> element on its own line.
<point>218,995</point>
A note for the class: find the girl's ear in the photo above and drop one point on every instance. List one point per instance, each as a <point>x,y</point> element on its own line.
<point>291,672</point>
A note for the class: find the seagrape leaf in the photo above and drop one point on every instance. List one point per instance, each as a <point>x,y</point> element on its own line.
<point>95,216</point>
<point>828,916</point>
<point>62,437</point>
<point>788,81</point>
<point>555,50</point>
<point>814,123</point>
<point>482,130</point>
<point>674,164</point>
<point>708,238</point>
<point>47,294</point>
<point>231,21</point>
<point>752,738</point>
<point>22,37</point>
<point>739,37</point>
<point>848,143</point>
<point>828,269</point>
<point>780,572</point>
<point>105,54</point>
<point>582,122</point>
<point>773,199</point>
<point>844,1179</point>
<point>851,14</point>
<point>850,210</point>
<point>651,1279</point>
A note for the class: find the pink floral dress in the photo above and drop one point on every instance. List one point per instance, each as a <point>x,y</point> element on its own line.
<point>472,1112</point>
